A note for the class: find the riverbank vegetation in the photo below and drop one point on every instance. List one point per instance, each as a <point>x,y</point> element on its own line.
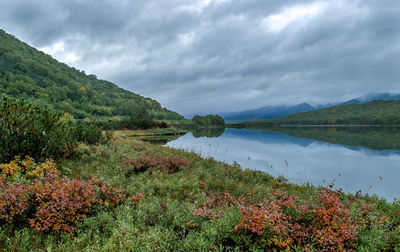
<point>208,121</point>
<point>132,195</point>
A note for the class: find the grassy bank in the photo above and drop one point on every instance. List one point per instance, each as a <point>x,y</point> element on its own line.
<point>178,201</point>
<point>156,132</point>
<point>157,136</point>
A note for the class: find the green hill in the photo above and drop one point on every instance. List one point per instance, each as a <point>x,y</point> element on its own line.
<point>371,113</point>
<point>28,73</point>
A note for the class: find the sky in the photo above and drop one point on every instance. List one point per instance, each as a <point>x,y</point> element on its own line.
<point>212,56</point>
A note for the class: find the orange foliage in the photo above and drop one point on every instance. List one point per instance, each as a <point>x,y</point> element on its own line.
<point>288,223</point>
<point>280,221</point>
<point>210,209</point>
<point>28,167</point>
<point>50,202</point>
<point>60,204</point>
<point>14,200</point>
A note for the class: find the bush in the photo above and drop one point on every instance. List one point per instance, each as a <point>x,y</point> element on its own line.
<point>28,167</point>
<point>144,163</point>
<point>281,221</point>
<point>51,203</point>
<point>14,201</point>
<point>33,130</point>
<point>89,133</point>
<point>131,123</point>
<point>60,204</point>
<point>208,120</point>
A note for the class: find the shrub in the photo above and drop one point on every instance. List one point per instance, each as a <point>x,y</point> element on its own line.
<point>106,194</point>
<point>51,202</point>
<point>14,200</point>
<point>28,167</point>
<point>136,198</point>
<point>163,125</point>
<point>280,222</point>
<point>89,133</point>
<point>333,225</point>
<point>34,130</point>
<point>210,210</point>
<point>60,204</point>
<point>151,163</point>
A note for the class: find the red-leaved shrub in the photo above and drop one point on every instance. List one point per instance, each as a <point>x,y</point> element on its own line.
<point>50,202</point>
<point>151,163</point>
<point>210,210</point>
<point>60,204</point>
<point>272,217</point>
<point>106,194</point>
<point>281,221</point>
<point>332,224</point>
<point>286,222</point>
<point>14,200</point>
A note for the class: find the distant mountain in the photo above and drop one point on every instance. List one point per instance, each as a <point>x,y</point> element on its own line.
<point>376,112</point>
<point>266,112</point>
<point>373,97</point>
<point>270,112</point>
<point>31,74</point>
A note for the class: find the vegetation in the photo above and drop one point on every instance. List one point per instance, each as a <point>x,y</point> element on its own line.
<point>28,73</point>
<point>159,135</point>
<point>33,130</point>
<point>145,197</point>
<point>46,201</point>
<point>370,113</point>
<point>37,130</point>
<point>117,193</point>
<point>208,120</point>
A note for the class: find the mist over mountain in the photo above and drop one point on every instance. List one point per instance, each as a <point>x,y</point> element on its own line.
<point>270,112</point>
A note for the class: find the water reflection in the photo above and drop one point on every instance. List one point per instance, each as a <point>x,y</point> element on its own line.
<point>376,138</point>
<point>303,160</point>
<point>208,132</point>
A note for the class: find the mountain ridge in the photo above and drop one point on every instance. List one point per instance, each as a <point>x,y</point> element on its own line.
<point>28,73</point>
<point>271,112</point>
<point>375,112</point>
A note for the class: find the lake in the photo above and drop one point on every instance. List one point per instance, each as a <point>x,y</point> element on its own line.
<point>366,159</point>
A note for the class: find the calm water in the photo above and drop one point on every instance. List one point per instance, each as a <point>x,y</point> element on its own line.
<point>299,159</point>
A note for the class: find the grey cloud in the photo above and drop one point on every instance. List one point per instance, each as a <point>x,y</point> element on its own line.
<point>221,57</point>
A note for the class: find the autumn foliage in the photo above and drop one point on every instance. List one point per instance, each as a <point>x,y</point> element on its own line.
<point>50,202</point>
<point>28,167</point>
<point>281,221</point>
<point>59,204</point>
<point>14,200</point>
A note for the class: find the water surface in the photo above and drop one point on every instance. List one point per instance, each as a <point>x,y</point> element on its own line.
<point>348,165</point>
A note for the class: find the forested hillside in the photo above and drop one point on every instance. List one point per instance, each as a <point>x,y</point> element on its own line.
<point>28,73</point>
<point>370,113</point>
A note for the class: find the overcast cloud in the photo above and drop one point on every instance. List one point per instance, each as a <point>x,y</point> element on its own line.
<point>221,55</point>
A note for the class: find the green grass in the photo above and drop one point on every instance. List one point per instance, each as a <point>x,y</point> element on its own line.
<point>158,132</point>
<point>159,222</point>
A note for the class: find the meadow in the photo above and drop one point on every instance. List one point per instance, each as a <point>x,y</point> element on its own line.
<point>129,195</point>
